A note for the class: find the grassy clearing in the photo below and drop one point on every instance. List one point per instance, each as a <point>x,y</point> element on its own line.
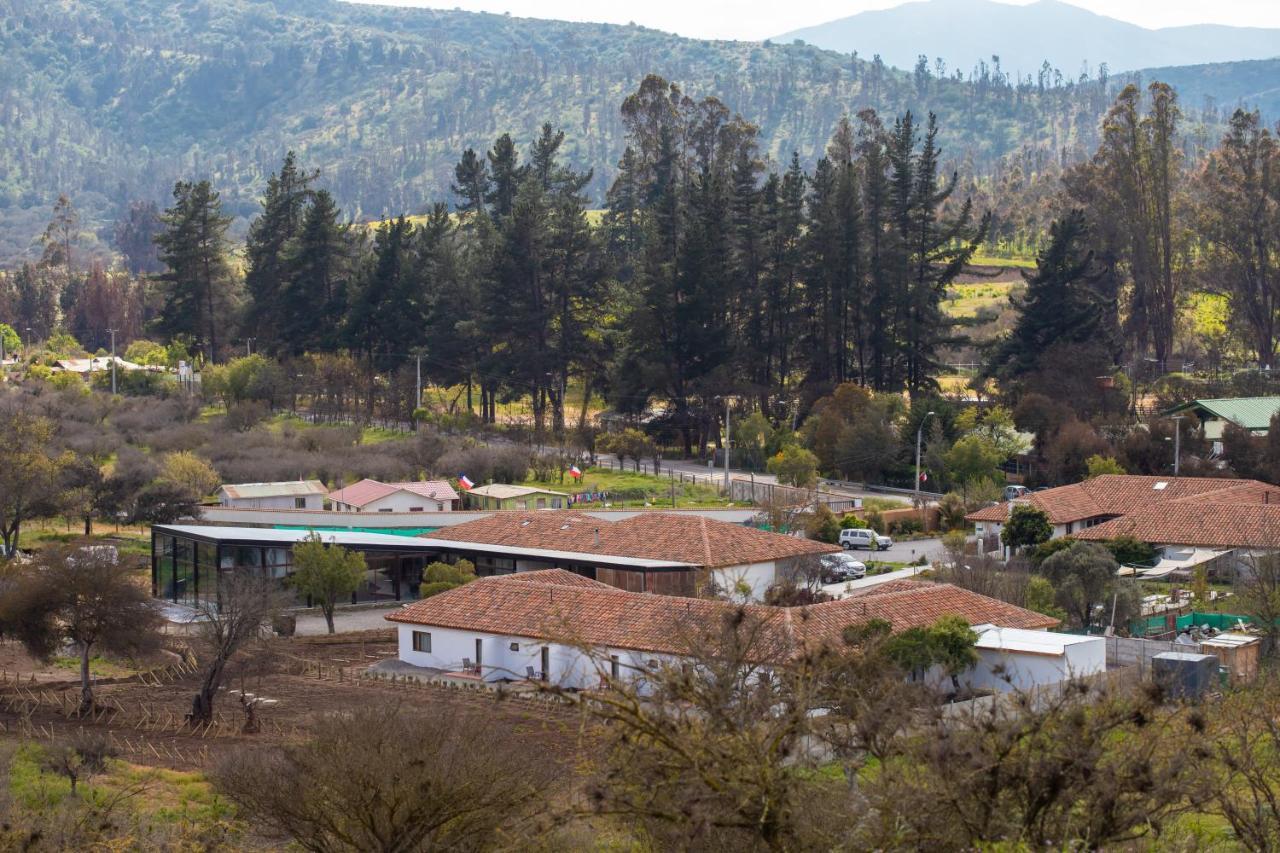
<point>990,261</point>
<point>966,300</point>
<point>151,795</point>
<point>636,489</point>
<point>98,666</point>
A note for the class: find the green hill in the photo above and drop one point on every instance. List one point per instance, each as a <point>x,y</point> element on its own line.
<point>112,100</point>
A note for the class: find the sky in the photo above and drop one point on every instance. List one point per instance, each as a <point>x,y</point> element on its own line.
<point>753,21</point>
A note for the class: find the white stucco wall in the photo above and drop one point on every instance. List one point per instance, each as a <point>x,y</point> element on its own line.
<point>758,576</point>
<point>401,501</point>
<point>313,502</point>
<point>568,666</point>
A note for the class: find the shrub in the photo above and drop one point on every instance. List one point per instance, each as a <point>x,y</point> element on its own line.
<point>906,526</point>
<point>823,525</point>
<point>852,522</point>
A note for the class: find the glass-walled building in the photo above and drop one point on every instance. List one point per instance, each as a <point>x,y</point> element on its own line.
<point>187,560</point>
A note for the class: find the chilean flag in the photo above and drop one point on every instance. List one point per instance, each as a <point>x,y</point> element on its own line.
<point>575,472</point>
<point>465,482</point>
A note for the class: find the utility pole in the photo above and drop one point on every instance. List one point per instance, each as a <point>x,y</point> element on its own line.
<point>1177,442</point>
<point>727,433</point>
<point>248,346</point>
<point>113,360</point>
<point>919,436</point>
<point>418,401</point>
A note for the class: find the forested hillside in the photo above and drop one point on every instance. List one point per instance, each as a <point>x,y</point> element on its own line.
<point>111,101</point>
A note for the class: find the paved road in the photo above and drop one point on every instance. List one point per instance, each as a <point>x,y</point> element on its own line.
<point>840,590</point>
<point>363,619</point>
<point>905,552</point>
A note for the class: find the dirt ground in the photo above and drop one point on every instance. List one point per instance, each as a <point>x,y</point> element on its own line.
<point>299,680</point>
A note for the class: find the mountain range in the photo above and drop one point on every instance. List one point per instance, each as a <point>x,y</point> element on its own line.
<point>965,32</point>
<point>110,101</point>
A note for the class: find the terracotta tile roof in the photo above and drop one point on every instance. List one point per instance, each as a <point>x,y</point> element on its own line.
<point>554,608</point>
<point>664,536</point>
<point>1242,525</point>
<point>1120,494</point>
<point>560,577</point>
<point>888,586</point>
<point>367,491</point>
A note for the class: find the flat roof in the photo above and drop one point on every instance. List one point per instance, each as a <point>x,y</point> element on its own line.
<point>269,536</point>
<point>993,638</point>
<point>576,556</point>
<point>389,541</point>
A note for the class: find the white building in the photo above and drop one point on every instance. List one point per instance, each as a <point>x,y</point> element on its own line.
<point>294,494</point>
<point>561,627</point>
<point>373,496</point>
<point>1017,659</point>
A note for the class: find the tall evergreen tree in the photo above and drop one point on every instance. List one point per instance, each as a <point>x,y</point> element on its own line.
<point>197,283</point>
<point>266,274</point>
<point>1061,305</point>
<point>1240,217</point>
<point>319,266</point>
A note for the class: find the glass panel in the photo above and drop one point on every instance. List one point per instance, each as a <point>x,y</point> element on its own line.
<point>377,584</point>
<point>248,557</point>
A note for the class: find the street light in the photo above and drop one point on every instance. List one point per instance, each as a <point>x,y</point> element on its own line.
<point>919,436</point>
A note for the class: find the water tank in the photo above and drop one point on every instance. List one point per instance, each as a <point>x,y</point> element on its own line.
<point>1184,675</point>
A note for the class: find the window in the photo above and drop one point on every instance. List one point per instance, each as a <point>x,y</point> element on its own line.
<point>515,647</point>
<point>422,641</point>
<point>415,509</point>
<point>613,667</point>
<point>388,509</point>
<point>299,503</point>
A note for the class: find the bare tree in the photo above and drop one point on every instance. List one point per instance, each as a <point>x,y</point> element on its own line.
<point>388,778</point>
<point>86,595</point>
<point>1258,586</point>
<point>81,759</point>
<point>243,610</point>
<point>1245,743</point>
<point>1086,768</point>
<point>713,750</point>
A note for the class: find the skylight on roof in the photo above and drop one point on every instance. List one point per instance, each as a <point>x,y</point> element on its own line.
<point>1160,485</point>
<point>524,523</point>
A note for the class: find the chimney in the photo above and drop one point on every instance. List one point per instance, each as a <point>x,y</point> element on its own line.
<point>597,537</point>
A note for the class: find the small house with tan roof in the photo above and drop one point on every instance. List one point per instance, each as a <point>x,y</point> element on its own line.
<point>293,494</point>
<point>655,552</point>
<point>560,627</point>
<point>374,496</point>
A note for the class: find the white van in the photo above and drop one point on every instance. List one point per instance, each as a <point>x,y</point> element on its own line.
<point>863,538</point>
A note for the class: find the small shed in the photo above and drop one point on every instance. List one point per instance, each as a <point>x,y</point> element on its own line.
<point>1020,659</point>
<point>1240,653</point>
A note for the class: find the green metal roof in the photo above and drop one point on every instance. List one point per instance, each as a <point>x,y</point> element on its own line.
<point>1252,413</point>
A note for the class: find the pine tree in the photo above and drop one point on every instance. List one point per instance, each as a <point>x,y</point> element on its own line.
<point>472,177</point>
<point>1061,305</point>
<point>283,208</point>
<point>318,262</point>
<point>197,284</point>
